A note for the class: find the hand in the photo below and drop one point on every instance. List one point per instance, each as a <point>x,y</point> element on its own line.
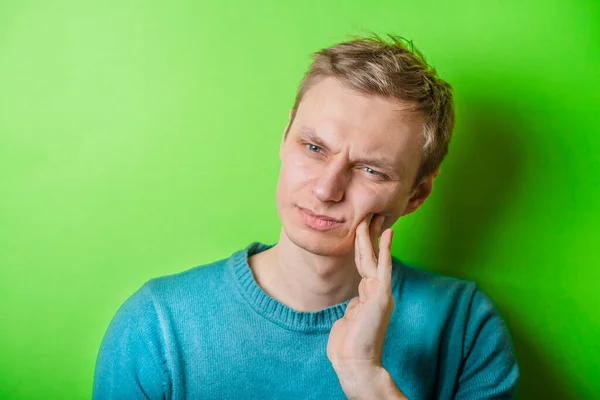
<point>356,340</point>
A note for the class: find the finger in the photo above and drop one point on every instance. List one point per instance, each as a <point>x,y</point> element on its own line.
<point>357,254</point>
<point>367,262</point>
<point>375,232</point>
<point>384,264</point>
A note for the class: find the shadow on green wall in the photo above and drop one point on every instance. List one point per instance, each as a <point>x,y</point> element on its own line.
<point>482,177</point>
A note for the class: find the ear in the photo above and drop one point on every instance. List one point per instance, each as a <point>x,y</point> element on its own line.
<point>283,137</point>
<point>421,193</point>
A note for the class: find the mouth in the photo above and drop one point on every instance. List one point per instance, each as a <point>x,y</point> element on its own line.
<point>320,216</point>
<point>318,222</point>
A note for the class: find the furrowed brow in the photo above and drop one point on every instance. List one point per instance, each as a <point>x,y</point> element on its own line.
<point>311,135</point>
<point>378,164</point>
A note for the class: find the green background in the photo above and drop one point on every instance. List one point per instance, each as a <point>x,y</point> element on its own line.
<point>139,139</point>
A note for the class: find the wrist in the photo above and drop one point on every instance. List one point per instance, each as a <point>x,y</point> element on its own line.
<point>374,382</point>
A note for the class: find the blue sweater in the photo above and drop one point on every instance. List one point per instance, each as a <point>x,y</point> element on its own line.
<point>211,332</point>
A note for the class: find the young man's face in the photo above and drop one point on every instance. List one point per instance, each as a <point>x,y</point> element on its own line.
<point>347,156</point>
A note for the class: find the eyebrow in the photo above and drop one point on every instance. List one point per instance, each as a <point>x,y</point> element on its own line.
<point>311,135</point>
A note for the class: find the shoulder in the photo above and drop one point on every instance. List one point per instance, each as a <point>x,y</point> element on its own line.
<point>193,282</point>
<point>418,285</point>
<point>443,296</point>
<point>455,308</point>
<point>469,324</point>
<point>131,359</point>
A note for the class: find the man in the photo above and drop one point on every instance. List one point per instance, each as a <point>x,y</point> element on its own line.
<point>326,312</point>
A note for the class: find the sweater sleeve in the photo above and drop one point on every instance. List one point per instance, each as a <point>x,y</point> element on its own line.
<point>131,361</point>
<point>489,369</point>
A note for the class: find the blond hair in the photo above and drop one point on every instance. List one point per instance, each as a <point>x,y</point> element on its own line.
<point>395,70</point>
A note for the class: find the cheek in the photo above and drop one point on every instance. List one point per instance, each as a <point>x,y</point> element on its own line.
<point>297,171</point>
<point>371,199</point>
<point>380,201</point>
<point>295,174</point>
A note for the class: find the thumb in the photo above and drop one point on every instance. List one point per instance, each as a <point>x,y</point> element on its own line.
<point>352,308</point>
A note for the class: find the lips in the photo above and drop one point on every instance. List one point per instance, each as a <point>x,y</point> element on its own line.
<point>316,223</point>
<point>320,216</point>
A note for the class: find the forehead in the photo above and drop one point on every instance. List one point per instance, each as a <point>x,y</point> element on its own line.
<point>370,125</point>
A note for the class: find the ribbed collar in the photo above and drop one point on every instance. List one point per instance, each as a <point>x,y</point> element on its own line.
<point>270,308</point>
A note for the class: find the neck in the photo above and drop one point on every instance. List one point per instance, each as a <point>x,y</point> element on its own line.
<point>302,280</point>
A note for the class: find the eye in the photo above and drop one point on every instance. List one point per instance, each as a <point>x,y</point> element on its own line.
<point>371,171</point>
<point>312,148</point>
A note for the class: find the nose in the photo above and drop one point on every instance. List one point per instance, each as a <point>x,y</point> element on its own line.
<point>332,182</point>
